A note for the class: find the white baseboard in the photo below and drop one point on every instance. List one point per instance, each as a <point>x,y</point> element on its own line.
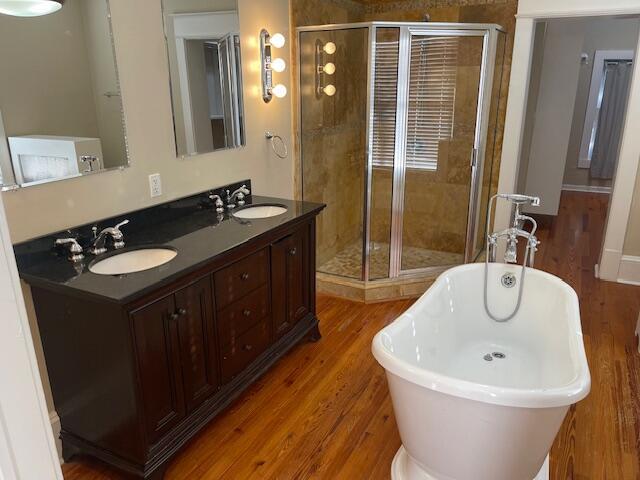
<point>55,426</point>
<point>629,270</point>
<point>586,188</point>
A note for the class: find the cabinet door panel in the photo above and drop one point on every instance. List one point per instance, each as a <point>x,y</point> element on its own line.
<point>298,276</point>
<point>194,305</point>
<point>156,340</point>
<point>290,281</point>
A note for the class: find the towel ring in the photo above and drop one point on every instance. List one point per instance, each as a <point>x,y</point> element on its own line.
<point>284,152</point>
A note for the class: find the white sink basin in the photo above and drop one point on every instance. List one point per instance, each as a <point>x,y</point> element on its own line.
<point>260,211</point>
<point>133,261</point>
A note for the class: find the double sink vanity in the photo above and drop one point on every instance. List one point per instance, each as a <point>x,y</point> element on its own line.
<point>146,343</point>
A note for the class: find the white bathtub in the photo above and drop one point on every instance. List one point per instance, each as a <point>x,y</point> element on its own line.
<point>462,417</point>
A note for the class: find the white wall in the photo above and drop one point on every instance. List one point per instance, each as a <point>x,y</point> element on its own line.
<point>144,76</point>
<point>554,112</point>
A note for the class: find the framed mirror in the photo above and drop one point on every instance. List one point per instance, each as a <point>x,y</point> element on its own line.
<point>60,105</point>
<point>205,66</point>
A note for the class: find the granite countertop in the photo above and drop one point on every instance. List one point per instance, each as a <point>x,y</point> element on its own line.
<point>192,229</point>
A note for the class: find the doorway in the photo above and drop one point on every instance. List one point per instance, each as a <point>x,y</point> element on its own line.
<point>579,85</point>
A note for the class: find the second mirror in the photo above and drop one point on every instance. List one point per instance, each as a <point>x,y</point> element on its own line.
<point>206,77</point>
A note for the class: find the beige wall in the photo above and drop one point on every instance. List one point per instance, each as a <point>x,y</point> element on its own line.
<point>554,112</point>
<point>600,34</point>
<point>142,62</point>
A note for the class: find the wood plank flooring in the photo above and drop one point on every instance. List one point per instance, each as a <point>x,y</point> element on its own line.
<point>324,411</point>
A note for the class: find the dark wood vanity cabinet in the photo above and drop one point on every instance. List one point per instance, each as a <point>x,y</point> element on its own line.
<point>133,382</point>
<point>176,355</point>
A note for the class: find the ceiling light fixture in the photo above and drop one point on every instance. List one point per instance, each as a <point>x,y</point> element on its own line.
<point>29,8</point>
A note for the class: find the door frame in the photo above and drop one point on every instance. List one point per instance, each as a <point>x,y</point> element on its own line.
<point>530,11</point>
<point>27,445</point>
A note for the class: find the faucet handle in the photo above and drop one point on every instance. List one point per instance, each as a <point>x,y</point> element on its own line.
<point>121,224</point>
<point>118,237</point>
<point>75,250</point>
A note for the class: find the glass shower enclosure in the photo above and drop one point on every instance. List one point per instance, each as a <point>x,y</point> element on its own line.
<point>398,136</point>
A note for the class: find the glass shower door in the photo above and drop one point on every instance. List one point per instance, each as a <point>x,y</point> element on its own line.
<point>438,128</point>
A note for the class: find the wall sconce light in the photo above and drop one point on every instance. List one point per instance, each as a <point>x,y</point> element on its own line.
<point>324,68</point>
<point>270,65</point>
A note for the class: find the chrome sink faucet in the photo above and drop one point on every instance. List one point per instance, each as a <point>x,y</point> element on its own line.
<point>238,194</point>
<point>98,245</point>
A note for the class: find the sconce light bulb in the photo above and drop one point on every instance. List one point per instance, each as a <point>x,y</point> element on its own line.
<point>329,90</point>
<point>278,65</point>
<point>277,40</point>
<point>330,48</point>
<point>279,90</point>
<point>329,68</point>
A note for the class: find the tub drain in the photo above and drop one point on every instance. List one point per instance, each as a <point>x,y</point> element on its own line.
<point>488,357</point>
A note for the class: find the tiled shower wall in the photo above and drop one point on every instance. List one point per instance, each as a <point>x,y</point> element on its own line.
<point>435,216</point>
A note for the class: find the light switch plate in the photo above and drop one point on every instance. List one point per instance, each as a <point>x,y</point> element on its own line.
<point>155,185</point>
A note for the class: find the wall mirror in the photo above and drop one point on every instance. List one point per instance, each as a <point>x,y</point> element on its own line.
<point>205,66</point>
<point>60,105</point>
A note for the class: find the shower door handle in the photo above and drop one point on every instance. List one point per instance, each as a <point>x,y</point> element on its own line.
<point>474,157</point>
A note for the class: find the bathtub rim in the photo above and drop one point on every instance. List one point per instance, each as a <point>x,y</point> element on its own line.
<point>557,396</point>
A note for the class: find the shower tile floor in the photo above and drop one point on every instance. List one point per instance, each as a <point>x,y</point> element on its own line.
<point>348,262</point>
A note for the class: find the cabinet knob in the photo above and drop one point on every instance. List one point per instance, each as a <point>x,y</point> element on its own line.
<point>246,312</point>
<point>248,348</point>
<point>174,316</point>
<point>293,251</point>
<point>244,276</point>
<point>182,311</point>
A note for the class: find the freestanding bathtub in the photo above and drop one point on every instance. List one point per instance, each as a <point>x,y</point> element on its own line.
<point>475,399</point>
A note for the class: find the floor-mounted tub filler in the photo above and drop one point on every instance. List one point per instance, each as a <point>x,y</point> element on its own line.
<point>477,398</point>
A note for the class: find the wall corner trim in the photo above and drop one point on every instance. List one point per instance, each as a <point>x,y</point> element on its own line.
<point>629,271</point>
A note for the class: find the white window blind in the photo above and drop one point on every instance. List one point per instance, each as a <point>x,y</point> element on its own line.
<point>430,103</point>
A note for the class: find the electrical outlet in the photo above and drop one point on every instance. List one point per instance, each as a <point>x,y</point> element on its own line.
<point>155,185</point>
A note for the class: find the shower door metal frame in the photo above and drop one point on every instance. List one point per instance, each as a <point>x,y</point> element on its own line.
<point>489,32</point>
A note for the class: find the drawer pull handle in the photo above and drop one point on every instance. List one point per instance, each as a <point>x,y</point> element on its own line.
<point>248,348</point>
<point>293,251</point>
<point>246,312</point>
<point>244,276</point>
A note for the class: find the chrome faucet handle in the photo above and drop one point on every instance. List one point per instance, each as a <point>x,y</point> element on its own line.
<point>118,237</point>
<point>74,248</point>
<point>218,202</point>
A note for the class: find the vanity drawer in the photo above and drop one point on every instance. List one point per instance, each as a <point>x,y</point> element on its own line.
<point>241,315</point>
<point>234,281</point>
<point>242,350</point>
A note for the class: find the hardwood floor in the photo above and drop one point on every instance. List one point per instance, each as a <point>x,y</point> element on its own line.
<point>324,411</point>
